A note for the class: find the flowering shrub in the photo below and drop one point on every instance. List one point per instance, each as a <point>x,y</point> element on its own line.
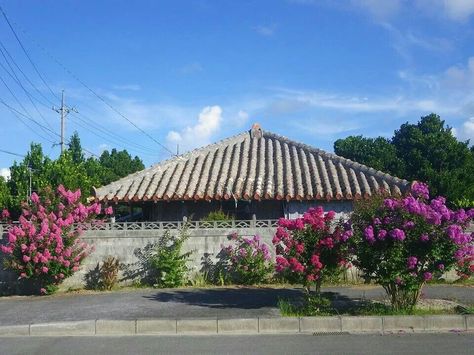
<point>44,247</point>
<point>248,260</point>
<point>311,247</point>
<point>400,243</point>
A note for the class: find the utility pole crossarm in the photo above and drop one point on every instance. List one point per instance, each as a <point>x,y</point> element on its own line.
<point>63,111</point>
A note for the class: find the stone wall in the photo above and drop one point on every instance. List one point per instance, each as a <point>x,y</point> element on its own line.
<point>123,244</point>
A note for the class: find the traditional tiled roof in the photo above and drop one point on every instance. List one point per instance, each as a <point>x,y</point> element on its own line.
<point>256,165</point>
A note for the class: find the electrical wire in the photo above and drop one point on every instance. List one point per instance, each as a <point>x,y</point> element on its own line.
<point>26,53</point>
<point>75,77</point>
<point>11,153</point>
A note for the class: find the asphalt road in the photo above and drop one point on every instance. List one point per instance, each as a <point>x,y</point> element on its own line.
<point>181,303</point>
<point>269,344</point>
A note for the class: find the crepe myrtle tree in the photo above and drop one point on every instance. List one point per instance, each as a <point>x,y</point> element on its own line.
<point>402,242</point>
<point>311,248</point>
<point>45,247</point>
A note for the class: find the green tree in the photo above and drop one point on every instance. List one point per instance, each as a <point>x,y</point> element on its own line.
<point>72,175</point>
<point>431,153</point>
<point>5,196</point>
<point>118,164</point>
<point>75,149</point>
<point>426,151</point>
<point>32,167</point>
<point>378,153</point>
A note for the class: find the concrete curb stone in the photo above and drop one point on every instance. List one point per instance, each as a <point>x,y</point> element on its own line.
<point>264,325</point>
<point>115,327</point>
<point>279,325</point>
<point>403,323</point>
<point>320,324</point>
<point>361,324</point>
<point>448,322</point>
<point>85,327</point>
<point>14,330</point>
<point>156,326</point>
<point>237,326</point>
<point>206,326</point>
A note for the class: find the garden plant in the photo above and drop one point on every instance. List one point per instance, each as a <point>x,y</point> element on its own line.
<point>247,260</point>
<point>45,247</point>
<point>311,248</point>
<point>402,242</point>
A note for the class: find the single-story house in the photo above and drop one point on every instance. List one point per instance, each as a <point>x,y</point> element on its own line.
<point>253,175</point>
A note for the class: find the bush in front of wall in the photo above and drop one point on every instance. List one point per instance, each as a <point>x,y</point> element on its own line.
<point>401,243</point>
<point>247,260</point>
<point>167,262</point>
<point>108,273</point>
<point>45,247</point>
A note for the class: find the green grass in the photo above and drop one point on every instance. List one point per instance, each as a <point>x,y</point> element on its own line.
<point>322,306</point>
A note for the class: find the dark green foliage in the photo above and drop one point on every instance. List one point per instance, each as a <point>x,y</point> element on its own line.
<point>426,151</point>
<point>75,149</point>
<point>217,216</point>
<point>5,196</point>
<point>378,153</point>
<point>71,170</point>
<point>118,164</point>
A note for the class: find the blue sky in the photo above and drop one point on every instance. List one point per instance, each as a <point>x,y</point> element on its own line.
<point>193,72</point>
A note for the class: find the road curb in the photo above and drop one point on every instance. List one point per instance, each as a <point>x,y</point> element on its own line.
<point>262,325</point>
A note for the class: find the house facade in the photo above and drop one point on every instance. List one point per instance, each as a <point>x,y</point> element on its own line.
<point>253,175</point>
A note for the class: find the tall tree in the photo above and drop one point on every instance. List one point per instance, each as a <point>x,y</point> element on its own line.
<point>28,173</point>
<point>432,153</point>
<point>378,153</point>
<point>75,149</point>
<point>119,164</point>
<point>5,196</point>
<point>426,151</point>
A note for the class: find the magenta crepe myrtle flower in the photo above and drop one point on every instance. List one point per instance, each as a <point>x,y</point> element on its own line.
<point>311,246</point>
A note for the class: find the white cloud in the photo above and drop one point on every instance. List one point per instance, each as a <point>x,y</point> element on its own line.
<point>455,10</point>
<point>467,130</point>
<point>265,31</point>
<point>356,103</point>
<point>381,10</point>
<point>243,117</point>
<point>5,172</point>
<point>460,76</point>
<point>201,133</point>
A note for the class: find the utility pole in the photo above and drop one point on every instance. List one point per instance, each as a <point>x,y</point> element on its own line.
<point>63,111</point>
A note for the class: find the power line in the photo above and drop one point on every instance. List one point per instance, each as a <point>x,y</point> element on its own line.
<point>11,153</point>
<point>25,51</point>
<point>25,76</point>
<point>19,83</point>
<point>82,83</point>
<point>17,113</point>
<point>28,116</point>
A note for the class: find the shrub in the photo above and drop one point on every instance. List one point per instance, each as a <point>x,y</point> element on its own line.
<point>311,248</point>
<point>45,248</point>
<point>401,243</point>
<point>217,216</point>
<point>167,262</point>
<point>248,260</point>
<point>108,273</point>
